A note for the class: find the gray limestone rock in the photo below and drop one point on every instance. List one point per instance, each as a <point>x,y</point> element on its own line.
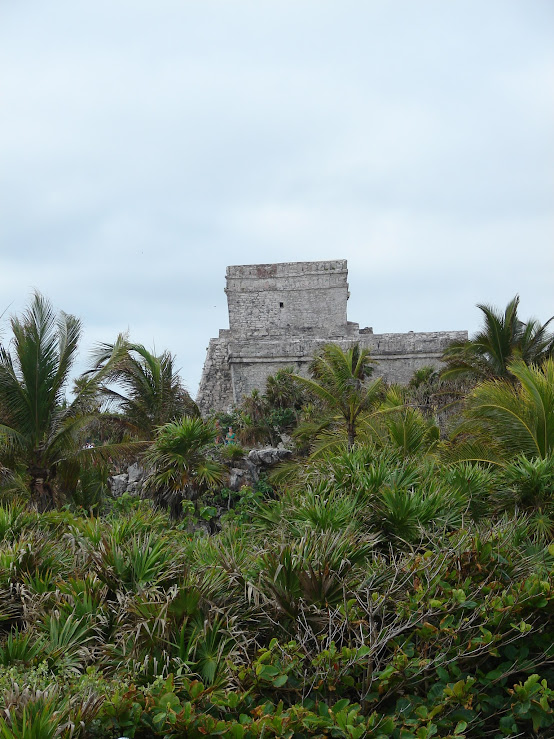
<point>118,484</point>
<point>128,482</point>
<point>135,473</point>
<point>237,478</point>
<point>253,470</point>
<point>269,456</point>
<point>247,471</point>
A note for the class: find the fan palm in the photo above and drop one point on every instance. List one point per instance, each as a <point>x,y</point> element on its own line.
<point>400,426</point>
<point>528,488</point>
<point>281,390</point>
<point>151,392</point>
<point>252,420</point>
<point>503,339</point>
<point>180,461</point>
<point>338,380</point>
<point>39,429</point>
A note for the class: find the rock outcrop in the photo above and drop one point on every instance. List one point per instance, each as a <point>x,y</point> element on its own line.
<point>248,470</point>
<point>130,481</point>
<point>242,472</point>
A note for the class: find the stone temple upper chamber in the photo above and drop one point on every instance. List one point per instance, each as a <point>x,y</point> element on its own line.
<point>280,315</point>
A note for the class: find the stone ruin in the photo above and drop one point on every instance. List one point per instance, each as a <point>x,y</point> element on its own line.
<point>280,315</point>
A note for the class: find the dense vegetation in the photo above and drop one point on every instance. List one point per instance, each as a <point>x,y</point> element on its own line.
<point>394,579</point>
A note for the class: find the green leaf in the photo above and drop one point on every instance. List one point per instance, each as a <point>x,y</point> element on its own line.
<point>168,702</point>
<point>323,710</point>
<point>267,672</point>
<point>196,688</point>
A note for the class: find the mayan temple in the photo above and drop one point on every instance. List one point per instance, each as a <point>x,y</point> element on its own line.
<point>280,315</point>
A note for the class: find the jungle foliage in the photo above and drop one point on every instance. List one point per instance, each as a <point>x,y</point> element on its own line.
<point>395,579</point>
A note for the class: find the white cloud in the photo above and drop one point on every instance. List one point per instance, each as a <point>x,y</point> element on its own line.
<point>143,147</point>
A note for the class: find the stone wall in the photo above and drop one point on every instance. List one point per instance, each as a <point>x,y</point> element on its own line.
<point>273,299</point>
<point>280,315</point>
<point>216,386</point>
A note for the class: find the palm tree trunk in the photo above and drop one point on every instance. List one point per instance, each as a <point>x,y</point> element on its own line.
<point>351,434</point>
<point>42,492</point>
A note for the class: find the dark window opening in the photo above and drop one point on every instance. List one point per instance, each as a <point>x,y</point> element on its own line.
<point>281,305</point>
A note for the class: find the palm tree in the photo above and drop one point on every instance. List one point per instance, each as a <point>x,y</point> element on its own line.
<point>39,429</point>
<point>504,420</point>
<point>399,426</point>
<point>409,432</point>
<point>152,392</point>
<point>252,419</point>
<point>180,462</point>
<point>264,417</point>
<point>503,339</point>
<point>339,381</point>
<point>281,390</point>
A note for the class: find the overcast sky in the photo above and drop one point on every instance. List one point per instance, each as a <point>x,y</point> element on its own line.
<point>144,146</point>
